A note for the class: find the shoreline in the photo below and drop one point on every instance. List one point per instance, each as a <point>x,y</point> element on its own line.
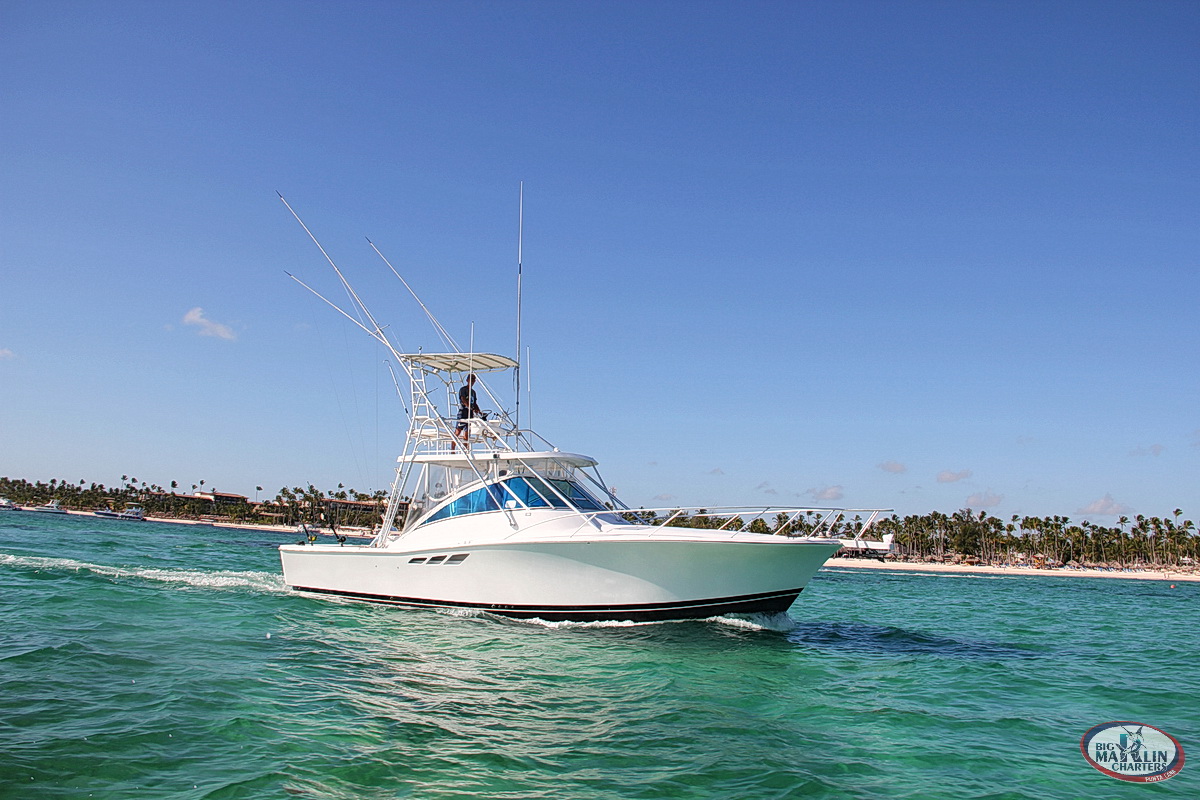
<point>835,563</point>
<point>198,523</point>
<point>966,569</point>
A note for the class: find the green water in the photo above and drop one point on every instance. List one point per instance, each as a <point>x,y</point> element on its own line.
<point>162,661</point>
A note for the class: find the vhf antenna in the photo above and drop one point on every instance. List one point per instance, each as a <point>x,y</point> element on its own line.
<point>520,237</point>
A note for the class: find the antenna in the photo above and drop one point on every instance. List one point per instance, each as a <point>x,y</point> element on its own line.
<point>520,238</point>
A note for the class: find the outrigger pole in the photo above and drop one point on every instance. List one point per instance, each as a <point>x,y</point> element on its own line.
<point>437,326</point>
<point>358,303</point>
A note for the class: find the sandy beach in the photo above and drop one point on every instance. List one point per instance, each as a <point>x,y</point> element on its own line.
<point>350,532</point>
<point>175,521</point>
<point>966,569</point>
<point>834,563</point>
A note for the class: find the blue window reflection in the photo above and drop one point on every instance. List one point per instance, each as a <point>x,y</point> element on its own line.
<point>528,491</point>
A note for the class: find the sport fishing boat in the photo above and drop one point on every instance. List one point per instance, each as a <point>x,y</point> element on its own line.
<point>492,518</point>
<point>484,515</point>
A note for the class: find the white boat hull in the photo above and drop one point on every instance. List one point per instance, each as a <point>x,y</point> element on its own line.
<point>610,578</point>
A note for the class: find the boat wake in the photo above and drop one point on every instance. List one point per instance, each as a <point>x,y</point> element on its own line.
<point>780,623</point>
<point>220,579</point>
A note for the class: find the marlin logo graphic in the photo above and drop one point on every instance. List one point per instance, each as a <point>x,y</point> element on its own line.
<point>1129,743</point>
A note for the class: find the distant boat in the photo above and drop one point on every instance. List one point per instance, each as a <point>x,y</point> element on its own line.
<point>132,512</point>
<point>8,505</point>
<point>866,548</point>
<point>50,508</point>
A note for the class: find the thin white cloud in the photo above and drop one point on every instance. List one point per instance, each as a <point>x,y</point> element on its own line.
<point>984,500</point>
<point>6,354</point>
<point>208,327</point>
<point>827,493</point>
<point>1105,507</point>
<point>946,476</point>
<point>1152,450</point>
<point>894,467</point>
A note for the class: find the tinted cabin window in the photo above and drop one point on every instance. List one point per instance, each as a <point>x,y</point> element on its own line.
<point>529,490</point>
<point>579,498</point>
<point>486,498</point>
<point>533,492</point>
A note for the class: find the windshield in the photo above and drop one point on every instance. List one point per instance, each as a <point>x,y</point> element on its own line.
<point>529,491</point>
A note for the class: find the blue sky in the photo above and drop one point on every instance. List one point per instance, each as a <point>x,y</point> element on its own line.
<point>919,255</point>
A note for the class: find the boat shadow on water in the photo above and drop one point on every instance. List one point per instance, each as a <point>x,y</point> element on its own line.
<point>888,640</point>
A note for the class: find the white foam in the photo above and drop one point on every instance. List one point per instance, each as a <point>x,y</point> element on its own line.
<point>779,622</point>
<point>219,579</point>
<point>565,624</point>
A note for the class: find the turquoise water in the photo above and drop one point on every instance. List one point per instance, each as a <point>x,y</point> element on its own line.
<point>165,661</point>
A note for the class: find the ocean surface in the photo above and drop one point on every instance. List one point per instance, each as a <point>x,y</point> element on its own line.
<point>166,661</point>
